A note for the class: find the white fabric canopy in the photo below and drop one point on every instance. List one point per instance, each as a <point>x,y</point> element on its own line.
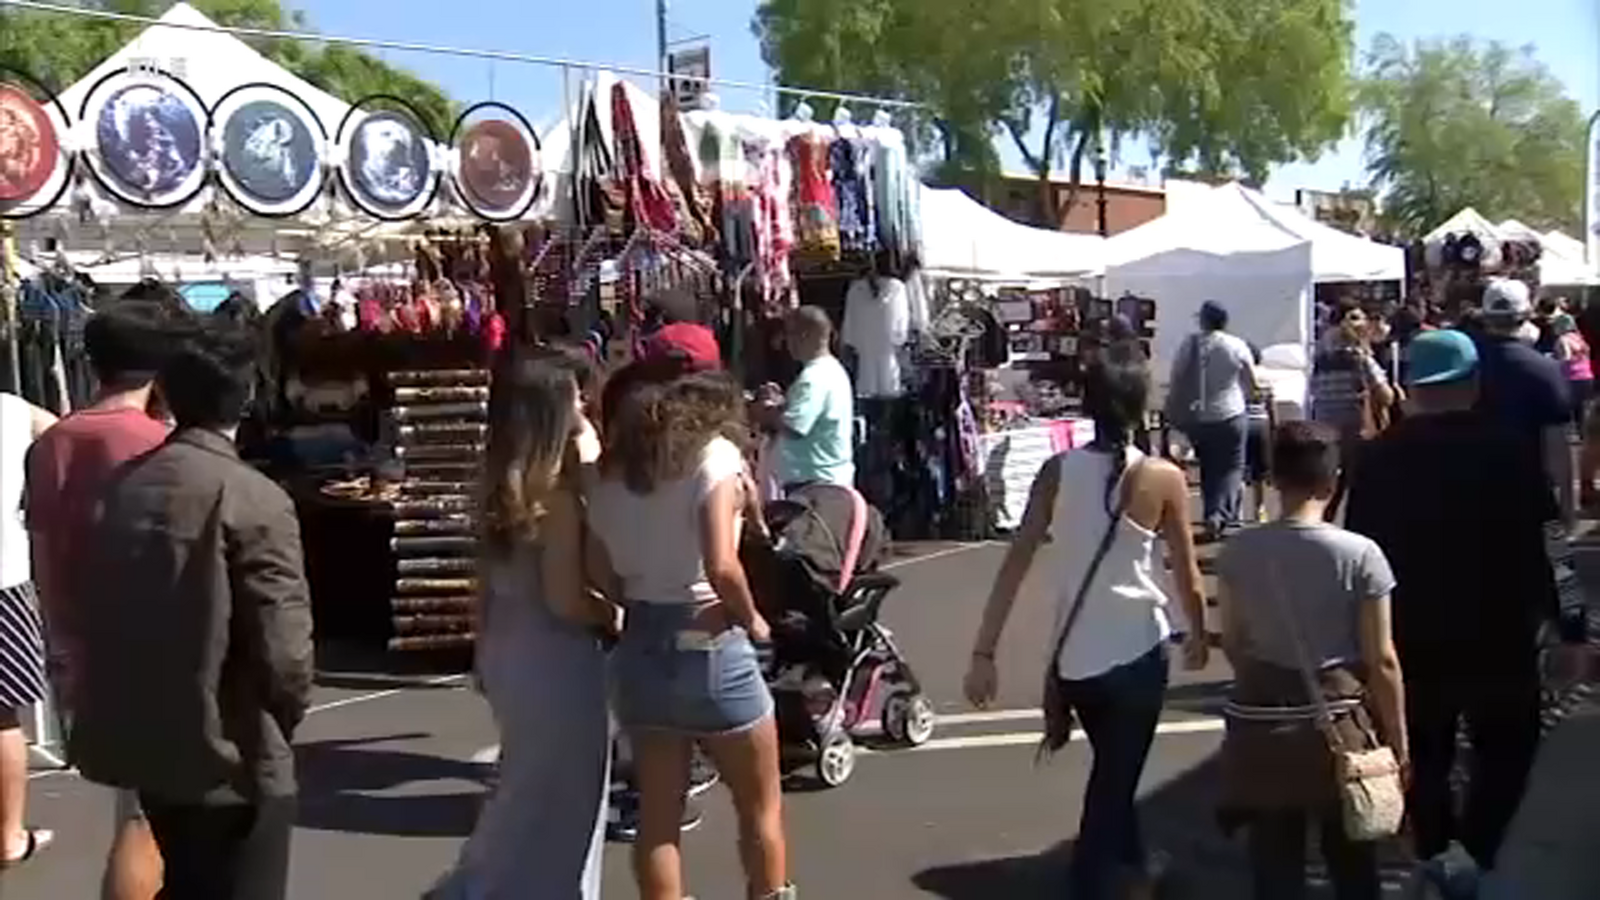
<point>962,238</point>
<point>1218,247</point>
<point>1335,255</point>
<point>1562,261</point>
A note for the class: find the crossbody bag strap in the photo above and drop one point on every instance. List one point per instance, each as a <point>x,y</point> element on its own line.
<point>1100,552</point>
<point>1308,673</point>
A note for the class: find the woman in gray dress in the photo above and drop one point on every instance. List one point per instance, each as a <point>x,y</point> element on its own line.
<point>542,668</point>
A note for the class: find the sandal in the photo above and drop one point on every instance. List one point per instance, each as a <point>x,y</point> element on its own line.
<point>38,839</point>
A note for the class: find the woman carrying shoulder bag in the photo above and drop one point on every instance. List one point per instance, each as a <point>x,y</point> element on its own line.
<point>1316,723</point>
<point>1103,508</point>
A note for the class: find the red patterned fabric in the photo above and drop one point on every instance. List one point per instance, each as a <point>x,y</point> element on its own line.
<point>648,204</point>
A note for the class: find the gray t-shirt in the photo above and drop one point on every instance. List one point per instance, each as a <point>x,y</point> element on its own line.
<point>1223,361</point>
<point>1323,572</point>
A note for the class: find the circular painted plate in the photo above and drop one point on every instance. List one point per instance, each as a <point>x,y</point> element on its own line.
<point>29,150</point>
<point>497,164</point>
<point>269,151</point>
<point>389,160</point>
<point>149,139</point>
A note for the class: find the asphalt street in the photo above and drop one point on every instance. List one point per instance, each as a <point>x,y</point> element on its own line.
<point>390,790</point>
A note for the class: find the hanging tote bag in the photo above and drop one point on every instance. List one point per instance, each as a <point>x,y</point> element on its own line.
<point>1371,799</point>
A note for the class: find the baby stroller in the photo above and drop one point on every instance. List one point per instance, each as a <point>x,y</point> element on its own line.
<point>834,665</point>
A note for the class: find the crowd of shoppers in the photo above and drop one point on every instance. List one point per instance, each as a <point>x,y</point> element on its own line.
<point>146,529</point>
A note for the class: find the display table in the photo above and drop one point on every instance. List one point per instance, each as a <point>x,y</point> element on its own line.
<point>1011,459</point>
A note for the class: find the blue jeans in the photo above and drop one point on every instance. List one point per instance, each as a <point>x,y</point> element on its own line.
<point>671,676</point>
<point>1118,711</point>
<point>1220,449</point>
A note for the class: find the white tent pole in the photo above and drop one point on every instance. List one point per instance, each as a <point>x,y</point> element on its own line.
<point>376,43</point>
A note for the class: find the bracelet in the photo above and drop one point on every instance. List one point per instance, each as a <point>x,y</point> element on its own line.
<point>984,654</point>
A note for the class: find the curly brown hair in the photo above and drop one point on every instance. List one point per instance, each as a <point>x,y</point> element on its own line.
<point>660,429</point>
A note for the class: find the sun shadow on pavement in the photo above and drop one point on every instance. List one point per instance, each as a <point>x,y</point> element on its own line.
<point>1178,819</point>
<point>358,787</point>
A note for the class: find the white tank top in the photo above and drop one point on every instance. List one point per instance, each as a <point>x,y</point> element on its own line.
<point>1125,612</point>
<point>16,435</point>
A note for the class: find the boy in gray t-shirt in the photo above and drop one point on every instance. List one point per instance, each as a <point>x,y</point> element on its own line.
<point>1322,572</point>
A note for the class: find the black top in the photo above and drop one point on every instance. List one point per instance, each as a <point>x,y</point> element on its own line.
<point>1459,507</point>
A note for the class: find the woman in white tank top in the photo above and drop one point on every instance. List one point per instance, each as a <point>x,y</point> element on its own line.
<point>1102,509</point>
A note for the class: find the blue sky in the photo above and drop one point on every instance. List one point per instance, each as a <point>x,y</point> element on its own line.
<point>1565,33</point>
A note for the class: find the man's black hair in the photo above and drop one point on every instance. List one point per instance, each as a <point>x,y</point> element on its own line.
<point>1213,316</point>
<point>1305,457</point>
<point>209,381</point>
<point>128,342</point>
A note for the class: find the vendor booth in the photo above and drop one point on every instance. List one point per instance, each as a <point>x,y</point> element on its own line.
<point>1221,247</point>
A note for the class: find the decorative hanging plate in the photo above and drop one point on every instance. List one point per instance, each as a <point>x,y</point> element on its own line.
<point>389,161</point>
<point>29,149</point>
<point>498,169</point>
<point>149,140</point>
<point>269,151</point>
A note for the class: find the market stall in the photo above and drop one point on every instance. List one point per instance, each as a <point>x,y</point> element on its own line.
<point>1222,246</point>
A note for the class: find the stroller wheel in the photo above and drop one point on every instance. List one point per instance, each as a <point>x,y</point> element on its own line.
<point>837,759</point>
<point>908,718</point>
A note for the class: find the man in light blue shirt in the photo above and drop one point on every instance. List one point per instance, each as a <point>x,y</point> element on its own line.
<point>817,419</point>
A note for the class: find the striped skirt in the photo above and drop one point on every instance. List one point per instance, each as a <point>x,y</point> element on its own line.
<point>21,648</point>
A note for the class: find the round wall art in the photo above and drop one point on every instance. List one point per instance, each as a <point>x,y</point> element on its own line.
<point>498,168</point>
<point>29,149</point>
<point>271,147</point>
<point>149,139</point>
<point>147,130</point>
<point>269,151</point>
<point>390,162</point>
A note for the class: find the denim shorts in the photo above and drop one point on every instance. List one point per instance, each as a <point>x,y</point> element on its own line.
<point>670,675</point>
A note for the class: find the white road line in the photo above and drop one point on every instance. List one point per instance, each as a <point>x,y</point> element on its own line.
<point>940,554</point>
<point>1028,738</point>
<point>437,681</point>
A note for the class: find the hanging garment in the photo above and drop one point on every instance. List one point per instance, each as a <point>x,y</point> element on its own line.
<point>917,301</point>
<point>648,204</point>
<point>877,324</point>
<point>816,209</point>
<point>687,194</point>
<point>851,162</point>
<point>601,198</point>
<point>726,171</point>
<point>892,184</point>
<point>771,187</point>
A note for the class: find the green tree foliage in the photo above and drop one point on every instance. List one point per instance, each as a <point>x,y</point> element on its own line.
<point>1457,123</point>
<point>59,49</point>
<point>1219,87</point>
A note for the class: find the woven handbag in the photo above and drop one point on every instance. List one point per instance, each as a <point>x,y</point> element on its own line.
<point>1371,800</point>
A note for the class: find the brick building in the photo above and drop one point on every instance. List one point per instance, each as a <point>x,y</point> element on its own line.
<point>1127,205</point>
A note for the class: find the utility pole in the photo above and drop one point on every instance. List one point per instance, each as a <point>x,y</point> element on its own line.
<point>663,61</point>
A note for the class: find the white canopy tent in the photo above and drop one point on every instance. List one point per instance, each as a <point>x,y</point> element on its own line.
<point>1219,247</point>
<point>1335,255</point>
<point>1563,262</point>
<point>962,238</point>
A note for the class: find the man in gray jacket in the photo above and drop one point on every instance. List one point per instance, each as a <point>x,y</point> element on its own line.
<point>198,662</point>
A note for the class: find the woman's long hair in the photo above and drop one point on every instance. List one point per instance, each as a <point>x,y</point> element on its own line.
<point>656,431</point>
<point>532,419</point>
<point>1116,389</point>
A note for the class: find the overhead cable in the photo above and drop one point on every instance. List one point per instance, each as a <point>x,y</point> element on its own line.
<point>498,55</point>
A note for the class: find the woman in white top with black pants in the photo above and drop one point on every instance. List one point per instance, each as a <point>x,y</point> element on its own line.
<point>1103,509</point>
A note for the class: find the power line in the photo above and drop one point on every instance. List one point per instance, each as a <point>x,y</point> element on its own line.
<point>499,55</point>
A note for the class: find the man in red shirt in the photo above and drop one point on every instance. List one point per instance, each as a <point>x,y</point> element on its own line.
<point>69,467</point>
